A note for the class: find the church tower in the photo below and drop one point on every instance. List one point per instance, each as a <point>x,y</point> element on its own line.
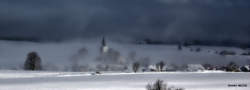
<point>104,47</point>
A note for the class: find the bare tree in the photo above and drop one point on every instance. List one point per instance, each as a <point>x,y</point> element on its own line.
<point>160,66</point>
<point>136,66</point>
<point>158,85</point>
<point>33,62</point>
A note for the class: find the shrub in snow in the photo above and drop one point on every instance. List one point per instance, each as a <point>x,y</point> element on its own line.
<point>136,66</point>
<point>33,62</point>
<point>245,68</point>
<point>232,67</point>
<point>160,85</point>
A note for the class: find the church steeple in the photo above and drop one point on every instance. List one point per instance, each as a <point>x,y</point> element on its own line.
<point>104,47</point>
<point>103,41</point>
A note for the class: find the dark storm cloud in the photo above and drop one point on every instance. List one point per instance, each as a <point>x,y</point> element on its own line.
<point>156,19</point>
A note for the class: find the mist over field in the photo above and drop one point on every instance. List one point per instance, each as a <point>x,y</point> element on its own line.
<point>59,56</point>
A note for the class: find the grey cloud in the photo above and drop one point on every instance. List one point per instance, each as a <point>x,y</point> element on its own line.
<point>156,19</point>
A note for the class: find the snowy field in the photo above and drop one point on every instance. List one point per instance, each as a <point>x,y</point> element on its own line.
<point>23,80</point>
<point>57,57</point>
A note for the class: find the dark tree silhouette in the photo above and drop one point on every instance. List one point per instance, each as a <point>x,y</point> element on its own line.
<point>232,67</point>
<point>158,85</point>
<point>33,62</point>
<point>245,68</point>
<point>208,66</point>
<point>160,66</point>
<point>136,66</point>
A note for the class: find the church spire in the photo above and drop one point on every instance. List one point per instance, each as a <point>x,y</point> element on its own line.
<point>104,47</point>
<point>103,41</point>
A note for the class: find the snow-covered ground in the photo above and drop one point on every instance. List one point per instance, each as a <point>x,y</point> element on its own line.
<point>57,57</point>
<point>26,80</point>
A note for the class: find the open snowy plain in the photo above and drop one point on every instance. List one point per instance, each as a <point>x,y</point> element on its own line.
<point>26,80</point>
<point>56,57</point>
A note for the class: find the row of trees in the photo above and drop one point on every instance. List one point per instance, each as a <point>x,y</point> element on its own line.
<point>219,52</point>
<point>33,62</point>
<point>159,66</point>
<point>162,66</point>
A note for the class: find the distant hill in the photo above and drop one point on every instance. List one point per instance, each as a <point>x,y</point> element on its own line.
<point>227,43</point>
<point>31,39</point>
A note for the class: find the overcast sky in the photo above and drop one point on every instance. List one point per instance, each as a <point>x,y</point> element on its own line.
<point>156,19</point>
